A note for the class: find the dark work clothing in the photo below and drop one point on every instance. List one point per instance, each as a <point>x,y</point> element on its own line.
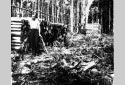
<point>34,41</point>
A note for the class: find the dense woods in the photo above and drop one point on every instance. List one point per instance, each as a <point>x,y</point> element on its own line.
<point>73,13</point>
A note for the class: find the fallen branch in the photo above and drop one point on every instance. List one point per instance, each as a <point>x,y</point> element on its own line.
<point>43,43</point>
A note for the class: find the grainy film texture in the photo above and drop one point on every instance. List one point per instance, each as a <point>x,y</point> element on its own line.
<point>62,42</point>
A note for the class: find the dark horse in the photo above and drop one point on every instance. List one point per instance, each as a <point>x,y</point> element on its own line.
<point>52,33</point>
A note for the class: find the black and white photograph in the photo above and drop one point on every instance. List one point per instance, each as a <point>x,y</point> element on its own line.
<point>62,42</point>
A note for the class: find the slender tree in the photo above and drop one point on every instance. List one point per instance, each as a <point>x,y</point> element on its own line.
<point>71,17</point>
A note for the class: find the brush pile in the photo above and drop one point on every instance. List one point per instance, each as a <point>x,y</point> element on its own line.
<point>87,60</point>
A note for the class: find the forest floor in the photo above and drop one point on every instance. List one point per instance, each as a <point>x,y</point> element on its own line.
<point>88,60</point>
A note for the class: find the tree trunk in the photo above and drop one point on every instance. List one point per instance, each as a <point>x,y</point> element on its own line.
<point>58,13</point>
<point>83,13</point>
<point>48,11</point>
<point>21,9</point>
<point>38,8</point>
<point>71,17</point>
<point>53,11</point>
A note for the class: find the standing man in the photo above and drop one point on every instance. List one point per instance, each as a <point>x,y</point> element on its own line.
<point>34,35</point>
